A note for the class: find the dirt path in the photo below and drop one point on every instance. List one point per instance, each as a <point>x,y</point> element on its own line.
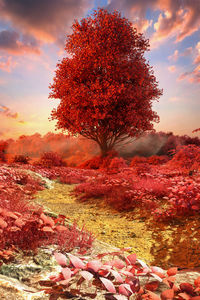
<point>162,245</point>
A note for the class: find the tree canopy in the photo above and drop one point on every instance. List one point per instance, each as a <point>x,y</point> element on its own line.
<point>105,85</point>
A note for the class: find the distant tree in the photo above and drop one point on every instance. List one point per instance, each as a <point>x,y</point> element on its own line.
<point>105,86</point>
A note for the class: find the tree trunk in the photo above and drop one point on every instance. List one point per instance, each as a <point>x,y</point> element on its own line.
<point>104,149</point>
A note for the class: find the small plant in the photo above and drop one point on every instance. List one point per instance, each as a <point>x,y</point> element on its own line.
<point>32,229</point>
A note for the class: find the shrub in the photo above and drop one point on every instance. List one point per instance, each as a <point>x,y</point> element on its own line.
<point>186,157</point>
<point>30,230</point>
<point>138,160</point>
<point>117,164</point>
<point>22,159</point>
<point>98,162</point>
<point>50,159</point>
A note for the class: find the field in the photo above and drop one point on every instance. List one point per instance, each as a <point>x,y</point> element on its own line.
<point>156,199</point>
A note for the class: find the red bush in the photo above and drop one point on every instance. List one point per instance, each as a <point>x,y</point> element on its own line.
<point>99,162</point>
<point>50,159</point>
<point>30,230</point>
<point>22,159</point>
<point>186,157</point>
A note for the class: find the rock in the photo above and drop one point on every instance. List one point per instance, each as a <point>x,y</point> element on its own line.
<point>13,289</point>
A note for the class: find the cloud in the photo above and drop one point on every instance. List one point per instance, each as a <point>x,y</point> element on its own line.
<point>192,76</point>
<point>177,18</point>
<point>46,20</point>
<point>6,112</point>
<point>174,56</point>
<point>7,65</point>
<point>172,68</point>
<point>11,42</point>
<point>197,58</point>
<point>135,10</point>
<point>174,99</point>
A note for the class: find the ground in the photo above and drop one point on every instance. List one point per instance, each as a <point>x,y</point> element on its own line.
<point>159,244</point>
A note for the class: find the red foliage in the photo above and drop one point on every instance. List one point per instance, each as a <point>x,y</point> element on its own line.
<point>116,278</point>
<point>99,162</point>
<point>117,164</point>
<point>50,159</point>
<point>157,160</point>
<point>24,225</point>
<point>30,230</point>
<point>22,159</point>
<point>186,157</point>
<point>108,86</point>
<point>138,160</point>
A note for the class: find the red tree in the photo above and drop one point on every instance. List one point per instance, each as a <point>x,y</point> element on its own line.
<point>105,85</point>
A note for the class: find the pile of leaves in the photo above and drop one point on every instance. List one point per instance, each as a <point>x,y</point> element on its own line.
<point>118,277</point>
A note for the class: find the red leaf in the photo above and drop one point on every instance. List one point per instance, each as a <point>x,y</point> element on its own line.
<point>167,294</point>
<point>61,228</point>
<point>184,296</point>
<point>60,258</point>
<point>131,259</point>
<point>152,286</point>
<point>108,284</point>
<point>125,290</point>
<point>197,282</point>
<point>118,263</point>
<point>47,229</point>
<point>66,273</point>
<point>76,262</point>
<point>117,276</point>
<point>172,271</point>
<point>10,214</point>
<point>86,275</point>
<point>14,228</point>
<point>3,224</point>
<point>47,220</point>
<point>187,287</point>
<point>19,223</point>
<point>94,265</point>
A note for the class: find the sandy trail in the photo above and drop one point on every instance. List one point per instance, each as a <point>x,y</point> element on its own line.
<point>160,245</point>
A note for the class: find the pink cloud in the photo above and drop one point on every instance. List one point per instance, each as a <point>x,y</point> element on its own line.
<point>7,65</point>
<point>174,56</point>
<point>177,19</point>
<point>172,68</point>
<point>6,112</point>
<point>192,76</point>
<point>197,58</point>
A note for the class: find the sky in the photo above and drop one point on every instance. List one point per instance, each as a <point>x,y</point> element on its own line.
<point>32,39</point>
